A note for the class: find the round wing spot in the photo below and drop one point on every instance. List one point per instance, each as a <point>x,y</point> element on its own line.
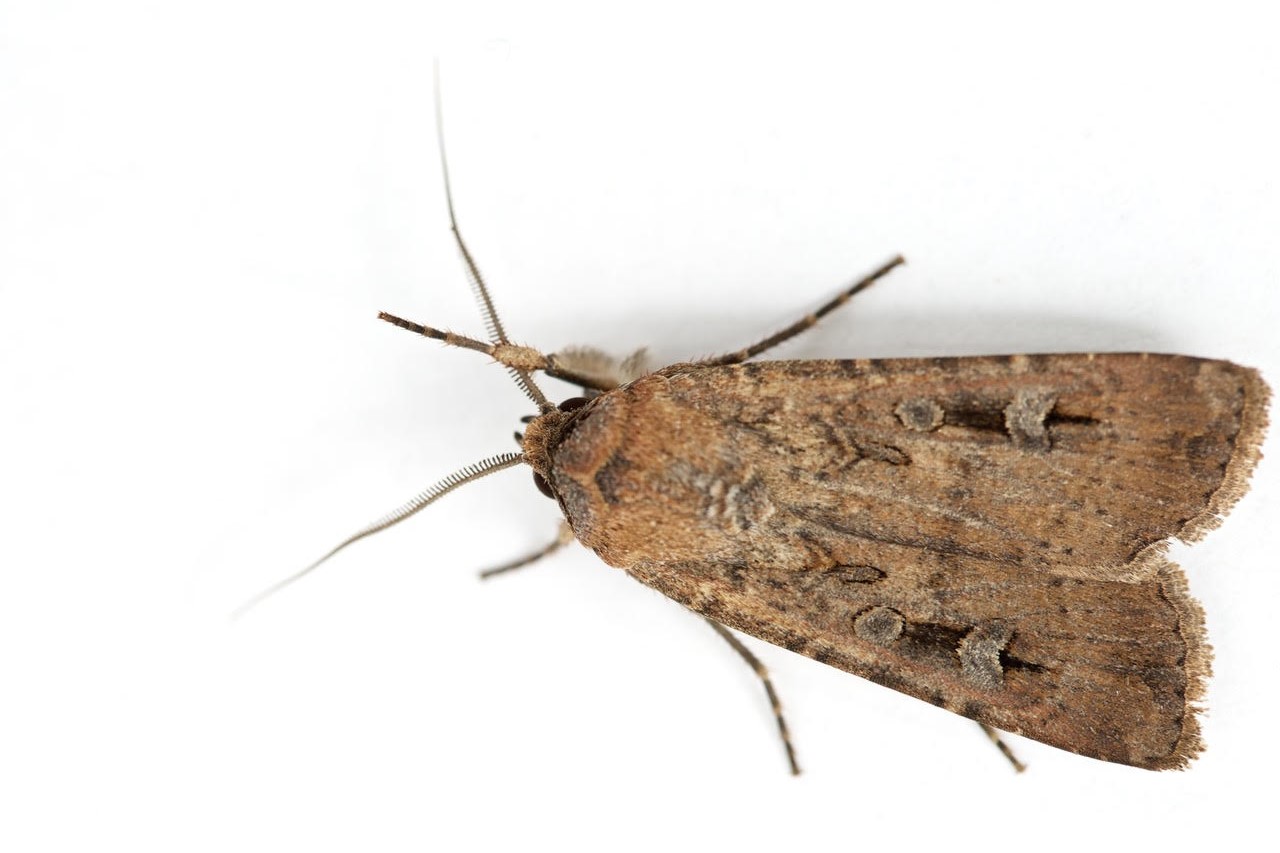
<point>920,414</point>
<point>880,625</point>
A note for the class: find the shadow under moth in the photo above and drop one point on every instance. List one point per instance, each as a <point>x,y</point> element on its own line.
<point>987,534</point>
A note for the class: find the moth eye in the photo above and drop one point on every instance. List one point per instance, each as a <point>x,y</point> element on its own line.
<point>543,485</point>
<point>573,404</point>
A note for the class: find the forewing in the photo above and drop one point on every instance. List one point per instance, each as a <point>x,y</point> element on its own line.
<point>1083,464</point>
<point>1107,669</point>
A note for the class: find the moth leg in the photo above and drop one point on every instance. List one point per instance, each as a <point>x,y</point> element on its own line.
<point>804,323</point>
<point>1003,747</point>
<point>763,674</point>
<point>563,537</point>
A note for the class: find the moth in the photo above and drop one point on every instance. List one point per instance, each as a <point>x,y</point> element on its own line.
<point>986,534</point>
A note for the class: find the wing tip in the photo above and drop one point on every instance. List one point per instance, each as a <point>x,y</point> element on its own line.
<point>1247,450</point>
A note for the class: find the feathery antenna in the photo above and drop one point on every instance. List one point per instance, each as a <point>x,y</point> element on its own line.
<point>422,501</point>
<point>497,334</point>
<point>518,360</point>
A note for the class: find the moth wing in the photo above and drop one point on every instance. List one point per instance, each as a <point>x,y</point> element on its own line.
<point>1107,669</point>
<point>1079,464</point>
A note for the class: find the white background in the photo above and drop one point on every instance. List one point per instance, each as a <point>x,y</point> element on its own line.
<point>204,206</point>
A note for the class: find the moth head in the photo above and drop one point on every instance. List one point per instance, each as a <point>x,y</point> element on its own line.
<point>541,435</point>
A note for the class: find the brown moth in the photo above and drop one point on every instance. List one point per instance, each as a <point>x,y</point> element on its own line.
<point>987,534</point>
